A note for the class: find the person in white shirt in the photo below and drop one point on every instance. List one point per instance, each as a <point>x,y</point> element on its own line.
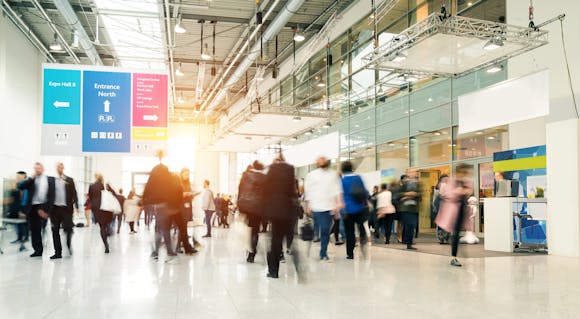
<point>386,211</point>
<point>323,197</point>
<point>208,206</point>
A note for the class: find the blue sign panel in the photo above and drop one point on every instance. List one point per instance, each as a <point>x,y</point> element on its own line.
<point>62,97</point>
<point>106,112</point>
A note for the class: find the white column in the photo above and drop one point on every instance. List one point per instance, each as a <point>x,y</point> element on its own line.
<point>563,193</point>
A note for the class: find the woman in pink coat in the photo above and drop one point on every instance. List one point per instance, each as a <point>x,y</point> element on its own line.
<point>451,217</point>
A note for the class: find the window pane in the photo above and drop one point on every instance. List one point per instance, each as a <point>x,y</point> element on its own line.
<point>482,143</point>
<point>431,148</point>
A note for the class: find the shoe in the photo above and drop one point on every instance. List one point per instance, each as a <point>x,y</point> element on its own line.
<point>338,243</point>
<point>55,256</point>
<point>455,263</point>
<point>206,236</point>
<point>411,248</point>
<point>326,260</point>
<point>271,275</point>
<point>36,254</point>
<point>350,257</point>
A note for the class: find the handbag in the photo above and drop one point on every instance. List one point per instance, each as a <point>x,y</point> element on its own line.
<point>110,203</point>
<point>307,231</point>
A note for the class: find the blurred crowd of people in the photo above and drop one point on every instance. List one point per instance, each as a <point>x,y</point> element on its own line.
<point>329,203</point>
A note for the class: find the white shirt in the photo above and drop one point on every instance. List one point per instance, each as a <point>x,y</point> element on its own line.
<point>207,202</point>
<point>321,189</point>
<point>384,201</point>
<point>40,190</point>
<point>60,192</point>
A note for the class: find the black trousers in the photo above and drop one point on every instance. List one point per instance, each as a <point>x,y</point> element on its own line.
<point>349,223</point>
<point>104,219</point>
<point>456,230</point>
<point>183,241</point>
<point>254,224</point>
<point>37,225</point>
<point>280,229</point>
<point>387,223</point>
<point>61,215</point>
<point>410,221</point>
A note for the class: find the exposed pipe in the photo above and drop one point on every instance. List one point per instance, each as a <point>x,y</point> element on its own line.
<point>25,29</point>
<point>67,11</point>
<point>169,42</point>
<point>240,53</point>
<point>64,42</point>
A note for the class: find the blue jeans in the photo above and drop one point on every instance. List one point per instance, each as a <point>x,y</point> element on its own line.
<point>324,220</point>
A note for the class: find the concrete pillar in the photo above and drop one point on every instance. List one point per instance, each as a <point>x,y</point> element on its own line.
<point>563,193</point>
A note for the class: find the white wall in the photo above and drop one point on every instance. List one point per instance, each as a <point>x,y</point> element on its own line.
<point>533,132</point>
<point>20,80</point>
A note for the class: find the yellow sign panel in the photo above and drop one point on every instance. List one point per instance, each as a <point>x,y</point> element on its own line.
<point>150,133</point>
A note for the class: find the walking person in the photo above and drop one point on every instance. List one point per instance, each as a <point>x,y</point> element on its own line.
<point>188,197</point>
<point>120,216</point>
<point>208,206</point>
<point>409,199</point>
<point>17,210</point>
<point>40,203</point>
<point>132,208</point>
<point>355,208</point>
<point>163,193</point>
<point>65,203</point>
<point>386,212</point>
<point>102,217</point>
<point>323,198</point>
<point>250,202</point>
<point>452,212</point>
<point>279,207</point>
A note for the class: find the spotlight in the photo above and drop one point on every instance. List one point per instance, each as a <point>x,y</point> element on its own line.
<point>493,43</point>
<point>494,69</point>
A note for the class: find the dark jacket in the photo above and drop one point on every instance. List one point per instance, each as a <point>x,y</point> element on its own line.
<point>280,193</point>
<point>29,185</point>
<point>72,200</point>
<point>95,196</point>
<point>250,198</point>
<point>163,187</point>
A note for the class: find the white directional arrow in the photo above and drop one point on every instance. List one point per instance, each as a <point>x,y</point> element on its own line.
<point>59,104</point>
<point>150,118</point>
<point>107,106</point>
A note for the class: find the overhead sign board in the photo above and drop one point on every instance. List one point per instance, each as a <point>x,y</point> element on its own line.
<point>89,109</point>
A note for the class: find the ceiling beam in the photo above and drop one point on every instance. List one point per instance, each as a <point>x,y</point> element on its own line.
<point>234,20</point>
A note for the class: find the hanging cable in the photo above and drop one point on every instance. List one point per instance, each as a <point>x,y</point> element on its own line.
<point>568,67</point>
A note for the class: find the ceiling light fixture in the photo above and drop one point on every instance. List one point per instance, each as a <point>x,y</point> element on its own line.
<point>56,46</point>
<point>178,71</point>
<point>494,69</point>
<point>298,36</point>
<point>493,43</point>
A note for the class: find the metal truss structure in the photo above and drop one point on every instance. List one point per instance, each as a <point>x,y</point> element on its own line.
<point>523,40</point>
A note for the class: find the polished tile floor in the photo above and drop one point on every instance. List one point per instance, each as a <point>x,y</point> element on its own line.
<point>217,283</point>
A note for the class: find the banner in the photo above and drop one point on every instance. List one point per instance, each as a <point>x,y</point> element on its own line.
<point>89,109</point>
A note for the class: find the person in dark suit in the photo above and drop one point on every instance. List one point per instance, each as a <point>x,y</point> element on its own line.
<point>40,204</point>
<point>65,203</point>
<point>101,217</point>
<point>279,196</point>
